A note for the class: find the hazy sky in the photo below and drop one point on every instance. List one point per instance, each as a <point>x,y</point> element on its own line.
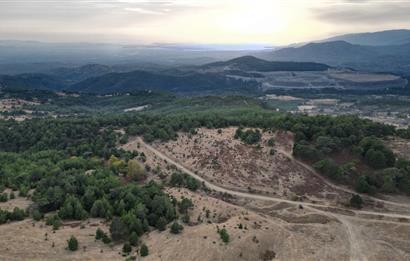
<point>197,21</point>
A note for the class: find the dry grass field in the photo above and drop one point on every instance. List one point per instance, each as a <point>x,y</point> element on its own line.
<point>223,160</point>
<point>262,236</point>
<point>30,240</point>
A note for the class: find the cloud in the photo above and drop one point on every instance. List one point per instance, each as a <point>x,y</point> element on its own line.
<point>348,12</point>
<point>143,11</point>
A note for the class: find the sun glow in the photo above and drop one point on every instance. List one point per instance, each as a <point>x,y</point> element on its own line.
<point>250,18</point>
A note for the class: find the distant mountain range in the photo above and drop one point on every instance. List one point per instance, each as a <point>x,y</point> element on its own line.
<point>390,37</point>
<point>117,68</point>
<point>376,58</point>
<point>18,57</point>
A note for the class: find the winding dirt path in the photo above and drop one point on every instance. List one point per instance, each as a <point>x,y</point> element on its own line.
<point>354,238</point>
<point>221,189</point>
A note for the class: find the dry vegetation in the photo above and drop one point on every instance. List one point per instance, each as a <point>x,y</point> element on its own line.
<point>261,238</point>
<point>399,146</point>
<point>232,164</point>
<point>29,240</point>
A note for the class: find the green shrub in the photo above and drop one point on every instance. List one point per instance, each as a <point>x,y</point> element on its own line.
<point>176,228</point>
<point>223,233</point>
<point>144,250</point>
<point>72,244</point>
<point>126,248</point>
<point>99,234</point>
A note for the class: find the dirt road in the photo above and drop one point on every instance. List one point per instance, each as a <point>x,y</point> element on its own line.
<point>354,238</point>
<point>336,187</point>
<point>255,196</point>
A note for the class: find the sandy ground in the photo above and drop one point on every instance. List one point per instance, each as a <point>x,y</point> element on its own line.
<point>292,233</point>
<point>19,202</point>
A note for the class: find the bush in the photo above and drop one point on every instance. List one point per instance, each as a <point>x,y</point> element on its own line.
<point>135,171</point>
<point>17,214</point>
<point>56,224</point>
<point>224,235</point>
<point>161,224</point>
<point>72,243</point>
<point>306,152</point>
<point>356,201</point>
<point>99,234</point>
<point>144,250</point>
<point>363,185</point>
<point>72,209</point>
<point>134,239</point>
<point>184,180</point>
<point>101,208</point>
<point>248,136</point>
<point>4,197</point>
<point>184,205</point>
<point>106,239</point>
<point>52,219</point>
<point>37,215</point>
<point>126,248</point>
<point>118,229</point>
<point>176,228</point>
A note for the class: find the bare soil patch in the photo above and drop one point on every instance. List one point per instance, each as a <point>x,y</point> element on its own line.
<point>223,160</point>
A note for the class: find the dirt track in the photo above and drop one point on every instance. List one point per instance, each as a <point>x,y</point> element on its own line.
<point>255,196</point>
<point>351,220</point>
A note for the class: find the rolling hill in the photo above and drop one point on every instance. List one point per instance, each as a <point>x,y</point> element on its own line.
<point>251,63</point>
<point>142,80</point>
<point>31,81</point>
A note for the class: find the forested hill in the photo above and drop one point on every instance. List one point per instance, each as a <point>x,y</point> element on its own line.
<point>142,80</point>
<point>251,63</point>
<point>393,58</point>
<point>31,81</point>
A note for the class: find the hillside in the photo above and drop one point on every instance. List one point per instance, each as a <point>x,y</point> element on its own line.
<point>142,80</point>
<point>31,81</point>
<point>340,53</point>
<point>76,74</point>
<point>251,63</point>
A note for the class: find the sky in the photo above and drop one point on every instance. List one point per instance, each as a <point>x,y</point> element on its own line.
<point>273,22</point>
